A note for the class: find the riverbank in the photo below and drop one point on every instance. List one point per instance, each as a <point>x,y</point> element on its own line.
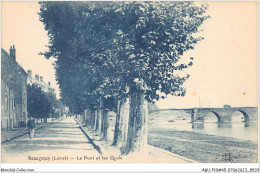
<point>152,155</point>
<point>203,148</point>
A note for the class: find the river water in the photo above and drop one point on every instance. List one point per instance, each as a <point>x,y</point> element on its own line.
<point>181,121</point>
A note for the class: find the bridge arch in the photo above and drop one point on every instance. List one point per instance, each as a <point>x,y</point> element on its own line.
<point>217,115</point>
<point>208,115</point>
<point>246,116</point>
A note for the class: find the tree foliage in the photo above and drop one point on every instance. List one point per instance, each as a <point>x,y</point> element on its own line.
<point>109,49</point>
<point>39,103</point>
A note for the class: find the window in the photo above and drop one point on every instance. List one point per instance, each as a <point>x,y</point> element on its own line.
<point>24,98</point>
<point>6,103</point>
<point>13,103</point>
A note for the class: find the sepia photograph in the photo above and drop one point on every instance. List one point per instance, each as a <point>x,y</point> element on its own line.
<point>129,82</point>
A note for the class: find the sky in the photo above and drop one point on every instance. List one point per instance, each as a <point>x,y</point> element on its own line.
<point>225,69</point>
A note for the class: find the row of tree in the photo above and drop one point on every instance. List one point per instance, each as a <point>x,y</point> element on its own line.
<point>41,105</point>
<point>119,56</point>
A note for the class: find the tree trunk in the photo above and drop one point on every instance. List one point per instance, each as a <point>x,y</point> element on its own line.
<point>137,126</point>
<point>104,126</point>
<point>101,124</point>
<point>97,120</point>
<point>85,118</point>
<point>88,118</point>
<point>123,125</point>
<point>100,120</point>
<point>93,119</point>
<point>116,132</point>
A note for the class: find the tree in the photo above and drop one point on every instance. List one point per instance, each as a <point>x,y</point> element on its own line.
<point>82,56</point>
<point>51,104</point>
<point>40,104</point>
<point>120,50</point>
<point>37,104</point>
<point>35,96</point>
<point>157,34</point>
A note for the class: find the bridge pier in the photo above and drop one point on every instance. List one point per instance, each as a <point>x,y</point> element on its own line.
<point>226,117</point>
<point>192,116</point>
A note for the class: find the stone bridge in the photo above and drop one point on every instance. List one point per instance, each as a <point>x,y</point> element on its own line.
<point>223,114</point>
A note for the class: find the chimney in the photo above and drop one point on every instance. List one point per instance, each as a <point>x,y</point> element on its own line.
<point>12,52</point>
<point>29,72</point>
<point>49,83</point>
<point>41,78</point>
<point>37,77</point>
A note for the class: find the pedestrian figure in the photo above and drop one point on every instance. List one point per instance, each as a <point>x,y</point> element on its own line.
<point>31,127</point>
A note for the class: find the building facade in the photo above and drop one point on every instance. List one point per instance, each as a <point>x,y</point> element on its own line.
<point>8,118</point>
<point>14,79</point>
<point>38,80</point>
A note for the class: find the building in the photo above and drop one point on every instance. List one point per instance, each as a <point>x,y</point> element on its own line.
<point>8,118</point>
<point>38,80</point>
<point>14,88</point>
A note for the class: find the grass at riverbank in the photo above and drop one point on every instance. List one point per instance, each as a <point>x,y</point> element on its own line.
<point>202,147</point>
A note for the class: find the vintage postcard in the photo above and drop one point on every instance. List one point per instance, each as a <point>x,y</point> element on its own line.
<point>129,82</point>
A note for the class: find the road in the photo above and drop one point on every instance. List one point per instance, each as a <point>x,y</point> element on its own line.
<point>64,142</point>
<point>204,148</point>
<point>59,142</point>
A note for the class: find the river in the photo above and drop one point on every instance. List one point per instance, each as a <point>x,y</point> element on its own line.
<point>181,121</point>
